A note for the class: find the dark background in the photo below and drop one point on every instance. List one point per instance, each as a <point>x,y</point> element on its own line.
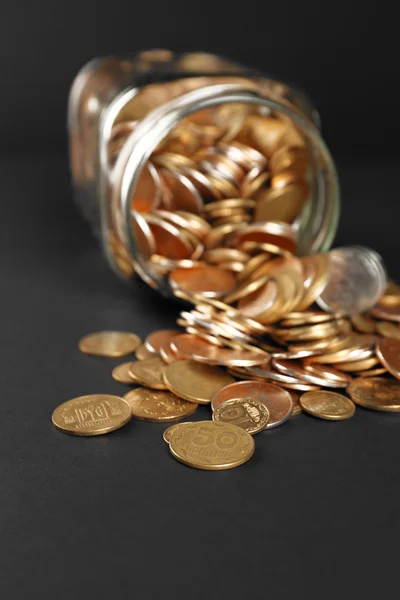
<point>316,511</point>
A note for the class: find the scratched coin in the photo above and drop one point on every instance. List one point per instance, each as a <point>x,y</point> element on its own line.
<point>211,445</point>
<point>109,343</point>
<point>149,372</point>
<point>376,393</point>
<point>247,413</point>
<point>327,405</point>
<point>156,406</point>
<point>92,415</point>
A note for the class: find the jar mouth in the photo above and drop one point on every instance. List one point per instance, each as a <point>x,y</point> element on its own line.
<point>318,221</point>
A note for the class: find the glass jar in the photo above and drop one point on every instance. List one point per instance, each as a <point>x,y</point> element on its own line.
<point>121,111</point>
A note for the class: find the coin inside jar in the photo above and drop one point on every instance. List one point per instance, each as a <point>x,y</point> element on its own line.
<point>277,400</point>
<point>247,413</point>
<point>204,279</point>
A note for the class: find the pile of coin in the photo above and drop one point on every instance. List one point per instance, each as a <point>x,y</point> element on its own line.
<point>222,187</point>
<point>254,376</point>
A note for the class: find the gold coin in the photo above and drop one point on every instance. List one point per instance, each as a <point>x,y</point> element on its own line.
<point>109,343</point>
<point>149,372</point>
<point>358,365</point>
<point>371,372</point>
<point>170,430</point>
<point>92,415</point>
<point>388,330</point>
<point>122,375</point>
<point>247,413</point>
<point>281,204</point>
<point>142,353</point>
<point>156,339</point>
<point>363,323</point>
<point>211,445</point>
<point>327,405</point>
<point>377,393</point>
<point>388,352</point>
<point>156,406</point>
<point>196,382</point>
<point>297,410</point>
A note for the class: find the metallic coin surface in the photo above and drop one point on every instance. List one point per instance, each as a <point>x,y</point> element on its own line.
<point>156,339</point>
<point>211,445</point>
<point>277,400</point>
<point>388,352</point>
<point>149,372</point>
<point>92,415</point>
<point>363,323</point>
<point>157,406</point>
<point>204,279</point>
<point>327,405</point>
<point>247,413</point>
<point>297,410</point>
<point>328,373</point>
<point>387,329</point>
<point>121,374</point>
<point>142,353</point>
<point>109,343</point>
<point>170,430</point>
<point>295,369</point>
<point>193,347</point>
<point>195,382</point>
<point>389,311</point>
<point>356,282</point>
<point>376,393</point>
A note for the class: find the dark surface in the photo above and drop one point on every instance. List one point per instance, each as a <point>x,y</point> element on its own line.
<point>314,514</point>
<point>344,54</point>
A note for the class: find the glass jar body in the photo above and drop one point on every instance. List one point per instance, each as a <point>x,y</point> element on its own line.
<point>156,90</point>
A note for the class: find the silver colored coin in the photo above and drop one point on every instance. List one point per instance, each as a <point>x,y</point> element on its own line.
<point>357,280</point>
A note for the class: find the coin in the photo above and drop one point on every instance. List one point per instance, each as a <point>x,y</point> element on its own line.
<point>377,393</point>
<point>363,323</point>
<point>204,279</point>
<point>388,352</point>
<point>167,353</point>
<point>297,410</point>
<point>195,381</point>
<point>277,400</point>
<point>122,375</point>
<point>389,311</point>
<point>193,347</point>
<point>327,405</point>
<point>328,373</point>
<point>356,282</point>
<point>142,353</point>
<point>92,415</point>
<point>211,445</point>
<point>294,369</point>
<point>109,343</point>
<point>170,430</point>
<point>389,330</point>
<point>281,204</point>
<point>247,413</point>
<point>156,406</point>
<point>149,373</point>
<point>156,339</point>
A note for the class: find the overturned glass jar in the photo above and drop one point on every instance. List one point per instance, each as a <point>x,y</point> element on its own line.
<point>196,173</point>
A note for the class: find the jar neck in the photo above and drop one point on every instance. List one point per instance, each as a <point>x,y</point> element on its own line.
<point>318,223</point>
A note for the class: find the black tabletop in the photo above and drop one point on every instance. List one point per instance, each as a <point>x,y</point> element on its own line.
<point>314,512</point>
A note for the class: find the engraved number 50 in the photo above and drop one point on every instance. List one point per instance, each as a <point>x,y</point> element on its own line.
<point>223,440</point>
